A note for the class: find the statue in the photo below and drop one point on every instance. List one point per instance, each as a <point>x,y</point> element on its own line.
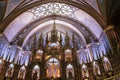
<point>70,72</point>
<point>35,75</point>
<point>21,74</point>
<point>70,75</point>
<point>85,72</point>
<point>53,71</point>
<point>107,65</point>
<point>9,72</point>
<point>96,69</point>
<point>48,71</point>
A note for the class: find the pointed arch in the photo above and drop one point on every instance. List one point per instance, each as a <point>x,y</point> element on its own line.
<point>96,69</point>
<point>10,71</point>
<point>106,64</point>
<point>22,73</point>
<point>70,71</point>
<point>36,72</point>
<point>85,73</point>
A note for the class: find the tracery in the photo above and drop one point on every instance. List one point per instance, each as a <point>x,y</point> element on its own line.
<point>53,8</point>
<point>56,51</point>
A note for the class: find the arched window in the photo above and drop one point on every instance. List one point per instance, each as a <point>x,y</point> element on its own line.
<point>106,64</point>
<point>36,72</point>
<point>96,69</point>
<point>22,72</point>
<point>70,71</point>
<point>10,71</point>
<point>85,72</point>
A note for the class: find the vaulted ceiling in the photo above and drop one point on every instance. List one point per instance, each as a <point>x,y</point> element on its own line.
<point>86,18</point>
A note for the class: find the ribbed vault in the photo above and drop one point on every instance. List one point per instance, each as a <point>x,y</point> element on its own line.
<point>88,28</point>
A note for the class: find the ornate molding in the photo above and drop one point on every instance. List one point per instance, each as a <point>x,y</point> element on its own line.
<point>108,28</point>
<point>20,10</point>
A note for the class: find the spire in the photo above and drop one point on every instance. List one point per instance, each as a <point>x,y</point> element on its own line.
<point>67,40</point>
<point>47,38</point>
<point>54,36</point>
<point>73,37</point>
<point>33,43</point>
<point>60,37</point>
<point>54,26</point>
<point>41,41</point>
<point>73,41</point>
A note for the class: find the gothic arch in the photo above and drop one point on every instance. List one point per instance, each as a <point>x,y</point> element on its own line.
<point>16,13</point>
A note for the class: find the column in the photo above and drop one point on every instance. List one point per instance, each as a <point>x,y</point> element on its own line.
<point>115,44</point>
<point>76,65</point>
<point>112,37</point>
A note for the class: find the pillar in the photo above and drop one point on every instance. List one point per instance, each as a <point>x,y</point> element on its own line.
<point>115,45</point>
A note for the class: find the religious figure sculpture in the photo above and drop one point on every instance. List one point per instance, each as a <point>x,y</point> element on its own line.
<point>35,77</point>
<point>96,69</point>
<point>53,71</point>
<point>85,71</point>
<point>9,72</point>
<point>35,74</point>
<point>69,72</point>
<point>21,74</point>
<point>39,54</point>
<point>107,65</point>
